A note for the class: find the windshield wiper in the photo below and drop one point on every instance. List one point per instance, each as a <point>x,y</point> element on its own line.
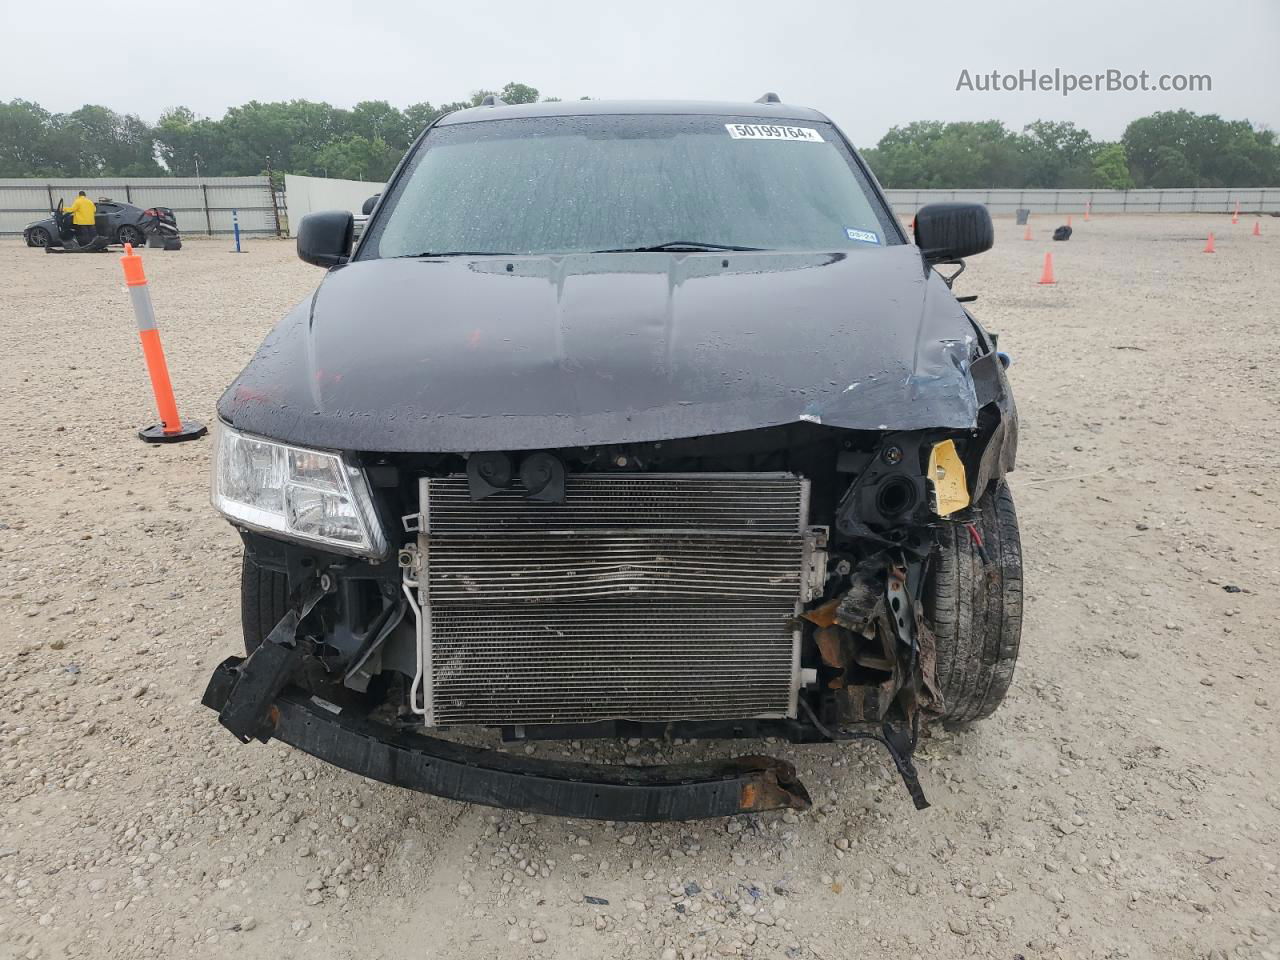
<point>454,253</point>
<point>679,246</point>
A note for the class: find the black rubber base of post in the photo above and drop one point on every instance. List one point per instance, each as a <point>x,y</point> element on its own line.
<point>191,430</point>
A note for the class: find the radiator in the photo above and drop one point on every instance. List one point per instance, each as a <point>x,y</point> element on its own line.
<point>648,597</point>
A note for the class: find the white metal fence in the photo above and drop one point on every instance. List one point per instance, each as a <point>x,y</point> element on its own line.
<point>204,205</point>
<point>304,195</point>
<point>201,205</point>
<point>1209,200</point>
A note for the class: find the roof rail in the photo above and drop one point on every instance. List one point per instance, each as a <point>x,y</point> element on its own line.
<point>769,98</point>
<point>493,100</point>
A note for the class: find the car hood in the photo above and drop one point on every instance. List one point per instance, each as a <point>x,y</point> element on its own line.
<point>518,353</point>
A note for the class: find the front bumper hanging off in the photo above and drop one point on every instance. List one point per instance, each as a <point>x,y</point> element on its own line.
<point>250,702</point>
<point>256,698</point>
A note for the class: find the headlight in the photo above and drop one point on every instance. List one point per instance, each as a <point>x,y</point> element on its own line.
<point>301,494</point>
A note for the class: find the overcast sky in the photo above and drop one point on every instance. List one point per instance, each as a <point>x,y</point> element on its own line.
<point>869,65</point>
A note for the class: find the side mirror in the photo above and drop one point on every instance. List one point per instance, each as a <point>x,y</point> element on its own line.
<point>324,238</point>
<point>370,204</point>
<point>951,231</point>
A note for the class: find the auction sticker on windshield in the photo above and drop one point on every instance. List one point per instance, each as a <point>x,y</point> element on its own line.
<point>771,131</point>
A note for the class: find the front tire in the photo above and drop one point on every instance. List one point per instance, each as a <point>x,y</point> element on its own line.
<point>975,608</point>
<point>38,237</point>
<point>264,599</point>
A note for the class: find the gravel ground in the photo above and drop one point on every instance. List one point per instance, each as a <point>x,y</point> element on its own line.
<point>1125,801</point>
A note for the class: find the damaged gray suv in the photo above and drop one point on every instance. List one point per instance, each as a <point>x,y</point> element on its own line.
<point>622,420</point>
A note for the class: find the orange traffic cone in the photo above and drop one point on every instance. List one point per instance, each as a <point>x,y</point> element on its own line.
<point>1235,217</point>
<point>1257,228</point>
<point>171,428</point>
<point>1027,234</point>
<point>1047,275</point>
<point>1068,219</point>
<point>1086,212</point>
<point>1208,247</point>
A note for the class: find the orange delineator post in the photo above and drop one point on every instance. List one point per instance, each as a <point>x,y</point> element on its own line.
<point>1027,234</point>
<point>171,429</point>
<point>1257,228</point>
<point>1047,275</point>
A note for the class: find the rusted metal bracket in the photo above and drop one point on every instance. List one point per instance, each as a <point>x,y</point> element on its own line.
<point>901,611</point>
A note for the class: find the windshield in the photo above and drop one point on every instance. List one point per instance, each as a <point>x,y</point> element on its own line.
<point>557,185</point>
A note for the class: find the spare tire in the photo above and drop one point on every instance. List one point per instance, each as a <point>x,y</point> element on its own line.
<point>974,608</point>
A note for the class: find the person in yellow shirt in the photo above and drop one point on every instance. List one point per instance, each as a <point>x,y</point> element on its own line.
<point>82,212</point>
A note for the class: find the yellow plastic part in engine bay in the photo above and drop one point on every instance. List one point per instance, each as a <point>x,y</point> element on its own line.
<point>946,473</point>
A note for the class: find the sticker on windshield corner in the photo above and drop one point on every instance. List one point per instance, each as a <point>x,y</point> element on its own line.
<point>773,131</point>
<point>866,236</point>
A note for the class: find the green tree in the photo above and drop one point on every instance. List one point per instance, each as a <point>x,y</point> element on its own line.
<point>189,145</point>
<point>1169,149</point>
<point>356,158</point>
<point>1111,168</point>
<point>419,116</point>
<point>519,93</point>
<point>1055,154</point>
<point>1170,168</point>
<point>930,153</point>
<point>378,120</point>
<point>1213,152</point>
<point>89,142</point>
<point>474,101</point>
<point>291,133</point>
<point>24,140</point>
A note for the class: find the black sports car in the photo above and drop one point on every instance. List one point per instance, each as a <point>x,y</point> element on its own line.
<point>118,222</point>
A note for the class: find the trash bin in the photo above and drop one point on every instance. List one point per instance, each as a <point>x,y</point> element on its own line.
<point>1022,216</point>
